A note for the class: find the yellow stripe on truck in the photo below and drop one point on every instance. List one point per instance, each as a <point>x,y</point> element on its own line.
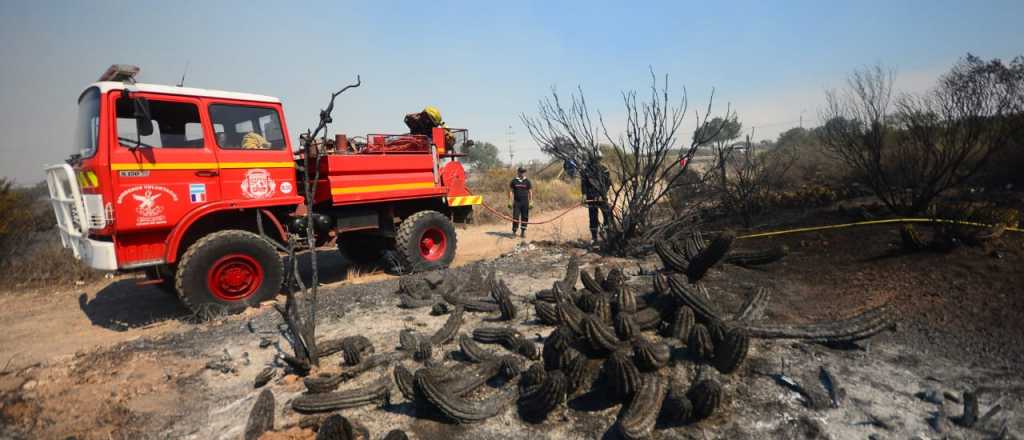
<point>465,200</point>
<point>381,188</point>
<point>198,165</point>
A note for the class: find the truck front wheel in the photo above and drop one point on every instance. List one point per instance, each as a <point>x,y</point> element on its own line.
<point>425,241</point>
<point>227,271</point>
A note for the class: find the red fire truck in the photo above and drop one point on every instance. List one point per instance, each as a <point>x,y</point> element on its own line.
<point>169,180</point>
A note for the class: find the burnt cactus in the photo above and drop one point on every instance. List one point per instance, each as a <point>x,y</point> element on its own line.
<point>693,245</point>
<point>355,348</point>
<point>647,318</point>
<point>672,260</point>
<point>261,418</point>
<point>649,355</point>
<point>758,257</point>
<point>503,296</point>
<point>705,397</point>
<point>625,300</point>
<point>396,434</point>
<point>730,352</point>
<point>555,346</point>
<point>590,282</point>
<point>451,326</point>
<point>509,338</point>
<point>510,366</point>
<point>623,376</point>
<point>602,309</point>
<point>336,427</point>
<point>473,351</point>
<point>459,409</point>
<point>683,321</point>
<point>616,278</point>
<point>407,301</point>
<point>640,415</point>
<point>376,393</point>
<point>700,344</point>
<point>533,376</point>
<point>710,256</point>
<point>677,408</point>
<point>405,382</point>
<point>264,376</point>
<point>546,313</point>
<point>540,400</point>
<point>598,336</point>
<point>424,351</point>
<point>575,367</point>
<point>625,326</point>
<point>323,383</point>
<point>572,272</point>
<point>408,340</point>
<point>570,316</point>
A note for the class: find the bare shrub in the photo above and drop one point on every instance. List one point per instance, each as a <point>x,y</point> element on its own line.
<point>646,153</point>
<point>911,148</point>
<point>752,179</point>
<point>549,192</point>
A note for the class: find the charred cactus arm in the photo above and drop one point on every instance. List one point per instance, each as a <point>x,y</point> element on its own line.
<point>753,308</point>
<point>758,257</point>
<point>637,421</point>
<point>473,351</point>
<point>862,326</point>
<point>376,393</point>
<point>690,295</point>
<point>546,313</point>
<point>355,348</point>
<point>459,409</point>
<point>710,256</point>
<point>539,401</point>
<point>447,332</point>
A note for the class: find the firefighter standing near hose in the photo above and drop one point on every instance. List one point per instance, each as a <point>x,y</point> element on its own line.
<point>520,199</point>
<point>594,182</point>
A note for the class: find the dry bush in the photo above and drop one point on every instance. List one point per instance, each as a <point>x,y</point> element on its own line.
<point>30,250</point>
<point>910,149</point>
<point>45,264</point>
<point>549,193</point>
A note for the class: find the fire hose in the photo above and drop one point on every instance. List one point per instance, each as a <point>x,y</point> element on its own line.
<point>508,218</point>
<point>873,222</point>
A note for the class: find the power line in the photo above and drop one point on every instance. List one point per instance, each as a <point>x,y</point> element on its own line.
<point>511,153</point>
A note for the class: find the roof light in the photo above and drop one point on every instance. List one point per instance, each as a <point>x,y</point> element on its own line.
<point>120,72</point>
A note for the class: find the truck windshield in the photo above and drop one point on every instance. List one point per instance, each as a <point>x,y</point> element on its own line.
<point>87,131</point>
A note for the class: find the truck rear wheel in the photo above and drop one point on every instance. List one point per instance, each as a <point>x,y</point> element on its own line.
<point>425,241</point>
<point>227,271</point>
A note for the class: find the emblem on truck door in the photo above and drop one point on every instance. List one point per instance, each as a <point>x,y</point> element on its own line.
<point>258,184</point>
<point>150,200</point>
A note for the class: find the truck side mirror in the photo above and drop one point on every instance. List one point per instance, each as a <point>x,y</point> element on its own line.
<point>143,119</point>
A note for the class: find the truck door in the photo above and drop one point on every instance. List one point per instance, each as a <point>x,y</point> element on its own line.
<point>160,177</point>
<point>253,151</point>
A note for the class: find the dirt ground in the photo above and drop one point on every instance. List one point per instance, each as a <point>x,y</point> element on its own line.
<point>117,310</point>
<point>124,366</point>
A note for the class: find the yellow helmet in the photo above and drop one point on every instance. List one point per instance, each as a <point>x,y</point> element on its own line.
<point>434,113</point>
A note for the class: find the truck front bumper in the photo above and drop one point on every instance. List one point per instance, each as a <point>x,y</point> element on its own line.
<point>96,254</point>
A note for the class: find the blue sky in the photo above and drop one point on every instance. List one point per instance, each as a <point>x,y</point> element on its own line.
<point>482,63</point>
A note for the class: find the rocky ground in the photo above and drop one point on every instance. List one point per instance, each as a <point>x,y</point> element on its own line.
<point>905,383</point>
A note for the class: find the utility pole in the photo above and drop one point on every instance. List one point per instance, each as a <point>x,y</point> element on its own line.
<point>511,154</point>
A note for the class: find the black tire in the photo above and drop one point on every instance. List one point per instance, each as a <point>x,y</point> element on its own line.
<point>362,248</point>
<point>166,276</point>
<point>413,231</point>
<point>245,266</point>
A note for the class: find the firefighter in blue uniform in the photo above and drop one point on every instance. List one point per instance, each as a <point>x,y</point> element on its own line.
<point>520,198</point>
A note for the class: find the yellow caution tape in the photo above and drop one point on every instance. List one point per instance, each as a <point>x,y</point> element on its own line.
<point>873,222</point>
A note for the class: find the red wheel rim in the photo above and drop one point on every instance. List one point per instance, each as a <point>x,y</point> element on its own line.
<point>235,277</point>
<point>433,244</point>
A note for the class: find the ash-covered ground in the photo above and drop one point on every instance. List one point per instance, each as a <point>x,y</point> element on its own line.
<point>198,384</point>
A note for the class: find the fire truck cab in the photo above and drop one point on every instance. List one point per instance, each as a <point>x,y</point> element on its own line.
<point>194,186</point>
